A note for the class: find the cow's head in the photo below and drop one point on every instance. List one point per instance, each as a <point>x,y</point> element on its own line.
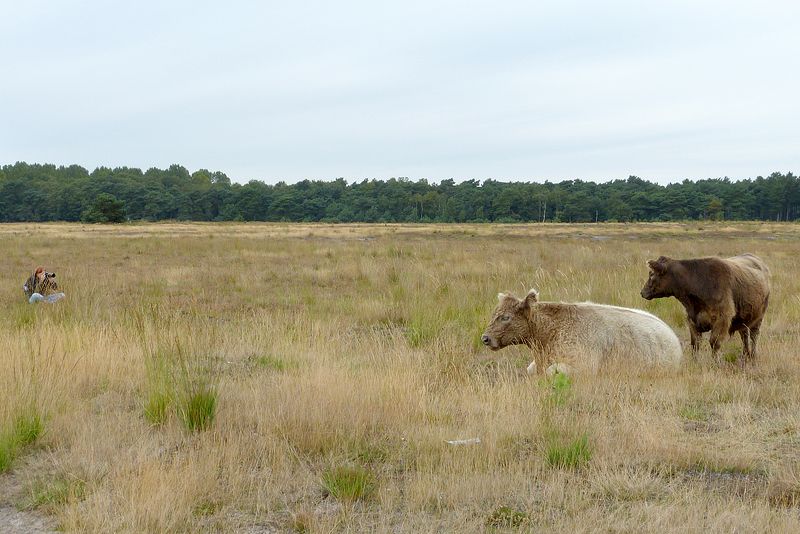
<point>510,321</point>
<point>660,282</point>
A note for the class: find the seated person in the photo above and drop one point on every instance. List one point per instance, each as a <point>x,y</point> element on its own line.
<point>41,282</point>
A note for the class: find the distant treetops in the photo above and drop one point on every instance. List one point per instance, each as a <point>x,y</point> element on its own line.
<point>43,192</point>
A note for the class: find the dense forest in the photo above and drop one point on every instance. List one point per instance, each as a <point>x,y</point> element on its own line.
<point>34,192</point>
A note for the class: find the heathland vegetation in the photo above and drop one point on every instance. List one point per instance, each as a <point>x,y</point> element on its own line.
<point>308,377</point>
<point>33,192</point>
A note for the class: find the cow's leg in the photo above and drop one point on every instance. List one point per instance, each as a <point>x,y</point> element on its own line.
<point>755,329</point>
<point>695,337</point>
<point>746,346</point>
<point>719,333</point>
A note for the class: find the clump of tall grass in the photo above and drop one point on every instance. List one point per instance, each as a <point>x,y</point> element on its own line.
<point>159,390</point>
<point>24,430</point>
<point>180,375</point>
<point>196,393</point>
<point>197,408</point>
<point>560,389</point>
<point>562,451</point>
<point>348,483</point>
<point>567,453</point>
<point>57,491</point>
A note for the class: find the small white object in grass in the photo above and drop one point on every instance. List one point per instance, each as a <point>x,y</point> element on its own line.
<point>50,299</point>
<point>470,441</point>
<point>556,368</point>
<point>532,368</point>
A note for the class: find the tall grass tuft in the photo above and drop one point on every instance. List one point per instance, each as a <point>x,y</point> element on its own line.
<point>560,389</point>
<point>562,451</point>
<point>568,454</point>
<point>196,393</point>
<point>57,491</point>
<point>180,372</point>
<point>156,406</point>
<point>197,409</point>
<point>159,391</point>
<point>8,451</point>
<point>25,429</point>
<point>348,483</point>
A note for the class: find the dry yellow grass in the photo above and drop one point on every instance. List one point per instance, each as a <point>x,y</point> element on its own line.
<point>354,348</point>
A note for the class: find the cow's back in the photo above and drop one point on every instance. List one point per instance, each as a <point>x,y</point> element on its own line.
<point>750,286</point>
<point>751,264</point>
<point>628,333</point>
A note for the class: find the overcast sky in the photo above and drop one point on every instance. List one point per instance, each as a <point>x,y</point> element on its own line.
<point>423,89</point>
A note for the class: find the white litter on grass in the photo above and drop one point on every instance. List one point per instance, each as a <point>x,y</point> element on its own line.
<point>470,441</point>
<point>50,299</point>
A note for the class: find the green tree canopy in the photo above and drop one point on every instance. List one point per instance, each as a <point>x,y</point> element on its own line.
<point>106,208</point>
<point>44,192</point>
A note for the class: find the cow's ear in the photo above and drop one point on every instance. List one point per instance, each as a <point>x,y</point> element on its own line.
<point>659,265</point>
<point>531,298</point>
<point>501,297</point>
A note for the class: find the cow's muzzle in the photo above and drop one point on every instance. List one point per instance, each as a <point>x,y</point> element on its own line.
<point>489,342</point>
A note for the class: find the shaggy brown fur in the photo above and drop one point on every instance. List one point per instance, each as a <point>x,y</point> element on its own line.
<point>592,333</point>
<point>513,323</point>
<point>721,295</point>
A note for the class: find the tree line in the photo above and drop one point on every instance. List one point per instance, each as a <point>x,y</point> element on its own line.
<point>44,192</point>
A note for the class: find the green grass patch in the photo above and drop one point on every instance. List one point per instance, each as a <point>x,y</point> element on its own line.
<point>421,330</point>
<point>24,430</point>
<point>181,376</point>
<point>27,428</point>
<point>57,491</point>
<point>560,389</point>
<point>159,390</point>
<point>693,412</point>
<point>156,406</point>
<point>731,355</point>
<point>197,409</point>
<point>348,483</point>
<point>568,454</point>
<point>8,451</point>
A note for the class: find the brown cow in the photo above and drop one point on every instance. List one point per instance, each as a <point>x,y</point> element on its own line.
<point>721,295</point>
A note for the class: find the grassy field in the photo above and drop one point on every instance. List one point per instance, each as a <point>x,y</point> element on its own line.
<point>278,378</point>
